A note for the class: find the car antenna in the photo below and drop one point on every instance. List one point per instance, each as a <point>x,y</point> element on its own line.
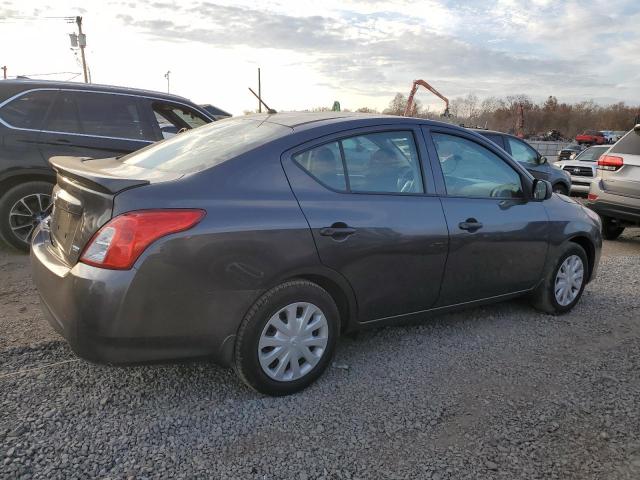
<point>269,110</point>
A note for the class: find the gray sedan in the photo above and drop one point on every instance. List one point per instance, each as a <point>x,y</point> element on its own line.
<point>258,240</point>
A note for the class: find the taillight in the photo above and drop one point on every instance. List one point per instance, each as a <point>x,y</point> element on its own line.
<point>610,162</point>
<point>592,196</point>
<point>119,243</point>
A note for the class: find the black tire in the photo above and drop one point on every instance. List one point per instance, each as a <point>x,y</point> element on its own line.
<point>8,201</point>
<point>246,361</point>
<point>560,188</point>
<point>611,230</point>
<point>544,298</point>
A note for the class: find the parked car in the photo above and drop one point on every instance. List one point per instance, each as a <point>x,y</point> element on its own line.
<point>41,119</point>
<point>591,137</point>
<point>569,152</point>
<point>258,240</point>
<point>531,159</point>
<point>615,194</point>
<point>553,136</point>
<point>583,168</point>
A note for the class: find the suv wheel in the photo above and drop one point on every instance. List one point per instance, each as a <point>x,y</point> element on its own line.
<point>563,284</point>
<point>611,230</point>
<point>560,188</point>
<point>22,208</point>
<point>287,338</point>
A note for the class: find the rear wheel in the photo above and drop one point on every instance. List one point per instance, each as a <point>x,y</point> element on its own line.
<point>287,339</point>
<point>563,285</point>
<point>610,229</point>
<point>22,208</point>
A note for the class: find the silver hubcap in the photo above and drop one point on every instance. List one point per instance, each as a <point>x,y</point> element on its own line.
<point>27,213</point>
<point>569,280</point>
<point>293,341</point>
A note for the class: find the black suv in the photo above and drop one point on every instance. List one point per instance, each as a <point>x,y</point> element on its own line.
<point>42,119</point>
<point>529,158</point>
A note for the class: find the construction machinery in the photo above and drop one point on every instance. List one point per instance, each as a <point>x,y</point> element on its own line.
<point>414,88</point>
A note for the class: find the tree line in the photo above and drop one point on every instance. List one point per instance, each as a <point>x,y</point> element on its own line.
<point>501,114</point>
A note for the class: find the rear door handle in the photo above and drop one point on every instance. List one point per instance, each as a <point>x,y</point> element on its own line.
<point>470,224</point>
<point>337,231</point>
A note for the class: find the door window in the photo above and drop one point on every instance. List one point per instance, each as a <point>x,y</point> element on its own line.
<point>324,163</point>
<point>110,115</point>
<point>63,116</point>
<point>522,152</point>
<point>497,139</point>
<point>28,110</point>
<point>383,162</point>
<point>471,170</point>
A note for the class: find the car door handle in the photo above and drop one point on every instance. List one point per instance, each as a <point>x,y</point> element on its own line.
<point>471,225</point>
<point>336,231</point>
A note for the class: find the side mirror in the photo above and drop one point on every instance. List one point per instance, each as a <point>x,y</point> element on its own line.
<point>637,129</point>
<point>542,160</point>
<point>542,190</point>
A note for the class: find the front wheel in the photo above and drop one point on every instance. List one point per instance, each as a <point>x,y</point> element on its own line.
<point>287,338</point>
<point>22,208</point>
<point>560,188</point>
<point>563,284</point>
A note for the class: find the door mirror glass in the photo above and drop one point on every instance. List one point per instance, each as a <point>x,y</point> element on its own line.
<point>541,190</point>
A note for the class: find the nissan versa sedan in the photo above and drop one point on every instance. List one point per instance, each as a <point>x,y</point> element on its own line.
<point>257,241</point>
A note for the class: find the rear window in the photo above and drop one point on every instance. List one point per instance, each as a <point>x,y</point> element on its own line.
<point>28,110</point>
<point>630,144</point>
<point>206,147</point>
<point>591,154</point>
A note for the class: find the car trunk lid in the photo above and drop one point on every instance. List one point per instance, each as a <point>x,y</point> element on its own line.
<point>83,198</point>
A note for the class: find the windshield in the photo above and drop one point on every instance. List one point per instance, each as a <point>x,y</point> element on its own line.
<point>591,154</point>
<point>207,146</point>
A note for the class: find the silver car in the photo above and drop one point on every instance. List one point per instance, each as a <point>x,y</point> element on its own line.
<point>615,193</point>
<point>583,168</point>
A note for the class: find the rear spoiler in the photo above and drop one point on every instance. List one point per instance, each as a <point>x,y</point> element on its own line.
<point>106,175</point>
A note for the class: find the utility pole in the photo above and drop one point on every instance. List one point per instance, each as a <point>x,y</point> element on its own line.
<point>4,69</point>
<point>82,42</point>
<point>166,75</point>
<point>259,93</point>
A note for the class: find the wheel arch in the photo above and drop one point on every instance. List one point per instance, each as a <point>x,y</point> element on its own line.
<point>9,181</point>
<point>589,249</point>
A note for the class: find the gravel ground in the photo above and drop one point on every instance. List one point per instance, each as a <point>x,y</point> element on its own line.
<point>494,392</point>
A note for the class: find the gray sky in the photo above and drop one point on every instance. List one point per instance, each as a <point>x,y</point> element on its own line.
<point>358,52</point>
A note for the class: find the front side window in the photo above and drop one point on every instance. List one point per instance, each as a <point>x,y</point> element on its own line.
<point>385,162</point>
<point>109,115</point>
<point>471,170</point>
<point>521,152</point>
<point>28,110</point>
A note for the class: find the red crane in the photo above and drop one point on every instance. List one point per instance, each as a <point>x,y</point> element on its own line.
<point>416,83</point>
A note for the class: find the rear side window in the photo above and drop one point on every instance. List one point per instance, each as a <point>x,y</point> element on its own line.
<point>28,110</point>
<point>385,162</point>
<point>629,144</point>
<point>497,139</point>
<point>110,115</point>
<point>63,116</point>
<point>206,147</point>
<point>325,164</point>
<point>173,118</point>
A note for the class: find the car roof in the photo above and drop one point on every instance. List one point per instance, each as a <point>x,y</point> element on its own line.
<point>482,131</point>
<point>20,85</point>
<point>303,120</point>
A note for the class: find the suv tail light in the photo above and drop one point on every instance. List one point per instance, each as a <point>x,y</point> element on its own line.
<point>119,243</point>
<point>610,162</point>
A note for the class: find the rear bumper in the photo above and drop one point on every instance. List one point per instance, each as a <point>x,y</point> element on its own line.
<point>106,315</point>
<point>626,209</point>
